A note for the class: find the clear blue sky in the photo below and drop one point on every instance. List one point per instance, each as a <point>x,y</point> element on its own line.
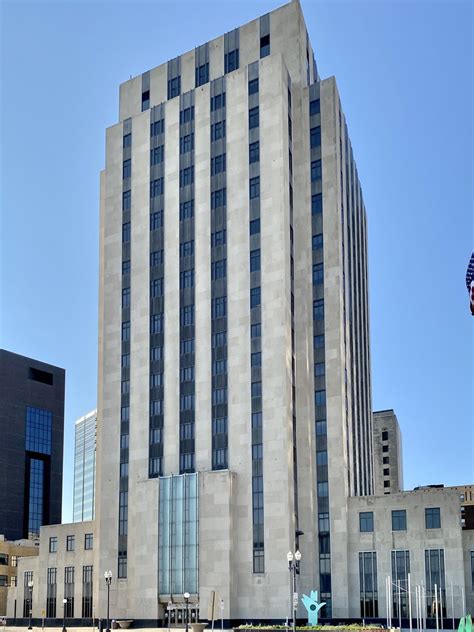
<point>404,71</point>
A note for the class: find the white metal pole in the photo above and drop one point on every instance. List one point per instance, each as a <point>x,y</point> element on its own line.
<point>409,601</point>
<point>390,600</point>
<point>463,601</point>
<point>440,608</point>
<point>416,608</point>
<point>436,605</point>
<point>420,625</point>
<point>399,605</point>
<point>386,600</point>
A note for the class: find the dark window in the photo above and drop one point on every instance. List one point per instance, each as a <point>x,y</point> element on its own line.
<point>255,297</point>
<point>53,544</point>
<point>218,164</point>
<point>186,115</point>
<point>125,360</point>
<point>315,136</point>
<point>186,374</point>
<point>126,297</point>
<point>186,346</point>
<point>254,187</point>
<point>218,130</point>
<point>256,359</point>
<point>256,389</point>
<point>386,484</point>
<point>318,341</point>
<point>126,331</point>
<point>254,226</point>
<point>126,232</point>
<point>366,521</point>
<point>253,86</point>
<point>318,309</point>
<point>323,489</point>
<point>317,241</point>
<point>318,273</point>
<point>187,315</point>
<point>368,584</point>
<point>70,541</point>
<point>156,155</point>
<point>385,448</point>
<point>158,127</point>
<point>231,60</point>
<point>126,267</point>
<point>156,323</point>
<point>314,107</point>
<point>186,176</point>
<point>433,518</point>
<point>156,187</point>
<point>186,210</point>
<point>386,471</point>
<point>254,152</point>
<point>219,339</point>
<point>186,248</point>
<point>254,260</point>
<point>256,330</point>
<point>145,100</point>
<point>219,367</point>
<point>264,46</point>
<point>385,435</point>
<point>316,204</point>
<point>127,140</point>
<point>126,200</point>
<point>156,379</point>
<point>218,238</point>
<point>174,87</point>
<point>156,220</point>
<point>219,396</point>
<point>218,198</point>
<point>186,143</point>
<point>319,369</point>
<point>218,269</point>
<point>217,102</point>
<point>40,376</point>
<point>385,460</point>
<point>156,258</point>
<point>320,398</point>
<point>38,430</point>
<point>156,288</point>
<point>127,169</point>
<point>186,279</point>
<point>399,520</point>
<point>316,170</point>
<point>253,118</point>
<point>219,307</point>
<point>202,74</point>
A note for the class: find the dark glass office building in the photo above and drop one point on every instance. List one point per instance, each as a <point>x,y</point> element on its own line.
<point>31,447</point>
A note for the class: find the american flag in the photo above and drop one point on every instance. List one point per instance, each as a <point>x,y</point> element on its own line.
<point>470,281</point>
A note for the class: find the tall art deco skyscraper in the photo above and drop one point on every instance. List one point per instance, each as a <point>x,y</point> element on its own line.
<point>234,367</point>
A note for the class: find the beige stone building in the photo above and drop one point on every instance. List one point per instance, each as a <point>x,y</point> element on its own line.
<point>10,554</point>
<point>234,396</point>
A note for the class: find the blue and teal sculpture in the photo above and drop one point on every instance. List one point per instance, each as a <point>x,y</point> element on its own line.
<point>312,606</point>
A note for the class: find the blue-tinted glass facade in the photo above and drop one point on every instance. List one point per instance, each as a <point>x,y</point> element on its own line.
<point>178,514</point>
<point>84,468</point>
<point>36,496</point>
<point>38,430</point>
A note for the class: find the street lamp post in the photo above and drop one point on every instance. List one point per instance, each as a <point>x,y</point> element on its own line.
<point>294,568</point>
<point>186,600</point>
<point>64,614</point>
<point>108,581</point>
<point>30,590</point>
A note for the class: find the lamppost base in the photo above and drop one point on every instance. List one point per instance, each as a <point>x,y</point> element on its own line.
<point>29,627</point>
<point>64,629</point>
